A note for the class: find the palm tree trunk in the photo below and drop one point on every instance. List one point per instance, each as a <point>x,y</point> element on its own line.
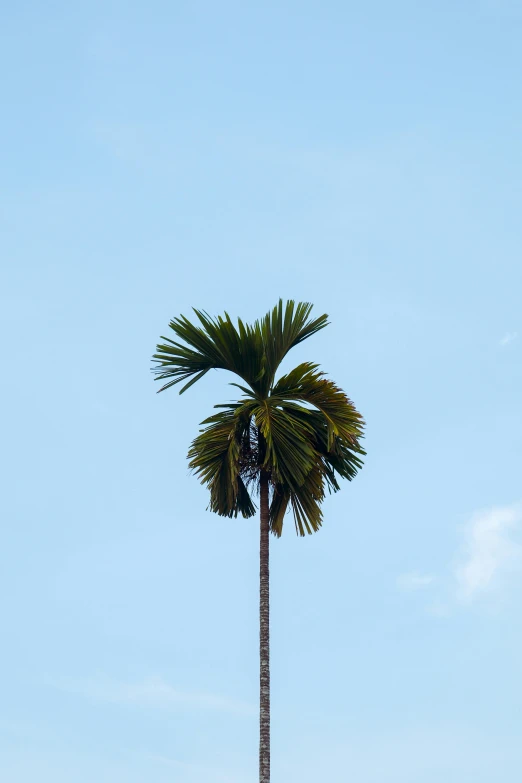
<point>264,638</point>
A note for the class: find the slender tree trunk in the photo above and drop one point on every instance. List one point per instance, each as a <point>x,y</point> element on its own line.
<point>264,638</point>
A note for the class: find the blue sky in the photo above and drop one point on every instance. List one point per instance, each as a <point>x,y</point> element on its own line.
<point>362,156</point>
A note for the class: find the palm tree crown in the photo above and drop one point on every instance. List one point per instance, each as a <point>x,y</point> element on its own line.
<point>299,431</point>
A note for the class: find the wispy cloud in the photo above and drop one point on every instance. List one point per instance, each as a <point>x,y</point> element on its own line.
<point>152,692</point>
<point>508,338</point>
<point>414,581</point>
<point>489,551</point>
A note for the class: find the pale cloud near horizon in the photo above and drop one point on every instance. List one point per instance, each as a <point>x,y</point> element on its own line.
<point>151,692</point>
<point>489,551</point>
<point>414,581</point>
<point>508,338</point>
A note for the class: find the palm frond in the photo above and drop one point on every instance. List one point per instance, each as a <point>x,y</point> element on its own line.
<point>306,383</point>
<point>282,329</point>
<point>305,502</point>
<point>289,453</point>
<point>215,344</point>
<point>253,352</point>
<point>221,457</point>
<point>278,507</point>
<point>340,456</point>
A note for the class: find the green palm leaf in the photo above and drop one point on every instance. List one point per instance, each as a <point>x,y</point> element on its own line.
<point>306,383</point>
<point>221,456</point>
<point>251,352</point>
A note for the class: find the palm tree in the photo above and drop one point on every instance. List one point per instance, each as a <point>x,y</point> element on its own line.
<point>285,440</point>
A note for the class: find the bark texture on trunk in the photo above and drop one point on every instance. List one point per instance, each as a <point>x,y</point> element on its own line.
<point>264,638</point>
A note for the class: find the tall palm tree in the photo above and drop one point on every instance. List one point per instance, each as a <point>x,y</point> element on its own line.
<point>285,440</point>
